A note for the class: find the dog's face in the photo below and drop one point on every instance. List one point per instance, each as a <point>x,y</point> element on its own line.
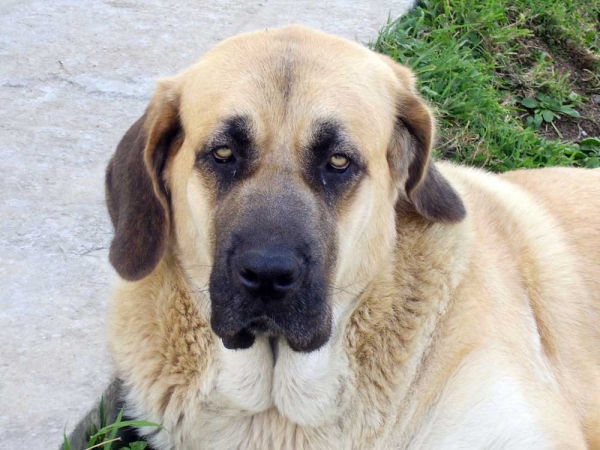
<point>272,172</point>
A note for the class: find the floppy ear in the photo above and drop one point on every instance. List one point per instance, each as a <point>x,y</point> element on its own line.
<point>136,197</point>
<point>426,189</point>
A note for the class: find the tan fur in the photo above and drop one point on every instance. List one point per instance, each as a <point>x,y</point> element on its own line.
<point>479,334</point>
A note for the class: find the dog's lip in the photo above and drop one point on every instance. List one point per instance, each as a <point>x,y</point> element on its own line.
<point>241,340</point>
<point>258,326</point>
<point>265,326</point>
<point>317,341</point>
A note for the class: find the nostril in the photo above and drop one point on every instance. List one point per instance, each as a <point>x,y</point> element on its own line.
<point>285,281</point>
<point>249,278</point>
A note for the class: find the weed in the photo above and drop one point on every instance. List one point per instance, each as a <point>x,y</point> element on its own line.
<point>588,150</point>
<point>545,109</point>
<point>104,436</point>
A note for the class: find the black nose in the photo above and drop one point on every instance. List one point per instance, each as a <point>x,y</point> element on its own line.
<point>268,273</point>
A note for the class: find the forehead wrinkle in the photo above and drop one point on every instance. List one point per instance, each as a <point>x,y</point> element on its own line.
<point>275,142</point>
<point>285,66</point>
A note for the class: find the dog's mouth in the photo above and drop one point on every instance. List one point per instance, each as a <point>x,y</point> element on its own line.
<point>298,338</point>
<point>264,326</point>
<point>244,338</point>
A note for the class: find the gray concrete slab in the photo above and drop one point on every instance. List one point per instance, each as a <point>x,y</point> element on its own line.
<point>73,75</point>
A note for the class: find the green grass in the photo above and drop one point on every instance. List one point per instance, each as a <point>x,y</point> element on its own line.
<point>476,67</point>
<point>565,25</point>
<point>104,435</point>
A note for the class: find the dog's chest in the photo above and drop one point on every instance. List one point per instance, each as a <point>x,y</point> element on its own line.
<point>306,388</point>
<point>256,402</point>
<point>264,430</point>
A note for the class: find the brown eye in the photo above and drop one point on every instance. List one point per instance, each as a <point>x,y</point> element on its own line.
<point>339,162</point>
<point>222,154</point>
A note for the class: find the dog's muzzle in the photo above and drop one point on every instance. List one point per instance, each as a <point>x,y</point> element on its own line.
<point>268,290</point>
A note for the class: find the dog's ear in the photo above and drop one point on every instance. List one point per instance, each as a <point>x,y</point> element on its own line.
<point>409,155</point>
<point>136,196</point>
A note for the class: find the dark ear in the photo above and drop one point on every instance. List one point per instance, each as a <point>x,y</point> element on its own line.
<point>426,189</point>
<point>135,194</point>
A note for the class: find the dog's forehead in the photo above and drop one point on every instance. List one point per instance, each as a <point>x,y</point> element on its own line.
<point>289,79</point>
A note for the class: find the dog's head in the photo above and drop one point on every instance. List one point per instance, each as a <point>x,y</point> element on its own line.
<point>272,172</point>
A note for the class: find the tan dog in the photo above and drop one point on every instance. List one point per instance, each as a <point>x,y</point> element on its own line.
<point>301,275</point>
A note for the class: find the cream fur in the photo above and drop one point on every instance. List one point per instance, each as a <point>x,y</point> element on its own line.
<point>482,334</point>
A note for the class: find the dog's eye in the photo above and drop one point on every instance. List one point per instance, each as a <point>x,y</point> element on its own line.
<point>223,154</point>
<point>339,162</point>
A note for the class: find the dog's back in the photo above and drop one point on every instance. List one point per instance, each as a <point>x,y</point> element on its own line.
<point>573,198</point>
<point>540,241</point>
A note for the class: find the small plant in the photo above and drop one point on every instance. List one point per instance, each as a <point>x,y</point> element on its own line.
<point>587,153</point>
<point>544,108</point>
<point>105,436</point>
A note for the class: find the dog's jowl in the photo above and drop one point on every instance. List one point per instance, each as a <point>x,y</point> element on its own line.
<point>297,272</point>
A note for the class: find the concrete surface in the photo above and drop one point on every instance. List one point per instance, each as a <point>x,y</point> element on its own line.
<point>73,76</point>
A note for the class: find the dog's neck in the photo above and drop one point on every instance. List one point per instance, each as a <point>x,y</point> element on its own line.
<point>395,322</point>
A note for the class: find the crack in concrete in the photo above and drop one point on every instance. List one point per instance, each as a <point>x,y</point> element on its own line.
<point>35,82</point>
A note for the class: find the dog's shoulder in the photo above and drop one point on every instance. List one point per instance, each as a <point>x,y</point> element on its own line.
<point>527,294</point>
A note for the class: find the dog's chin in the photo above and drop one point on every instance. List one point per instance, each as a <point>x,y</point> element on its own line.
<point>299,342</point>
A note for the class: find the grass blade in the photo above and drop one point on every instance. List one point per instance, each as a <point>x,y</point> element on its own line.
<point>129,423</point>
<point>113,433</point>
<point>66,443</point>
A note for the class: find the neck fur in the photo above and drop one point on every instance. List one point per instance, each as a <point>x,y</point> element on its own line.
<point>393,327</point>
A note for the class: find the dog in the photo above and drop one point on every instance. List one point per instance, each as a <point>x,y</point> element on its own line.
<point>297,272</point>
